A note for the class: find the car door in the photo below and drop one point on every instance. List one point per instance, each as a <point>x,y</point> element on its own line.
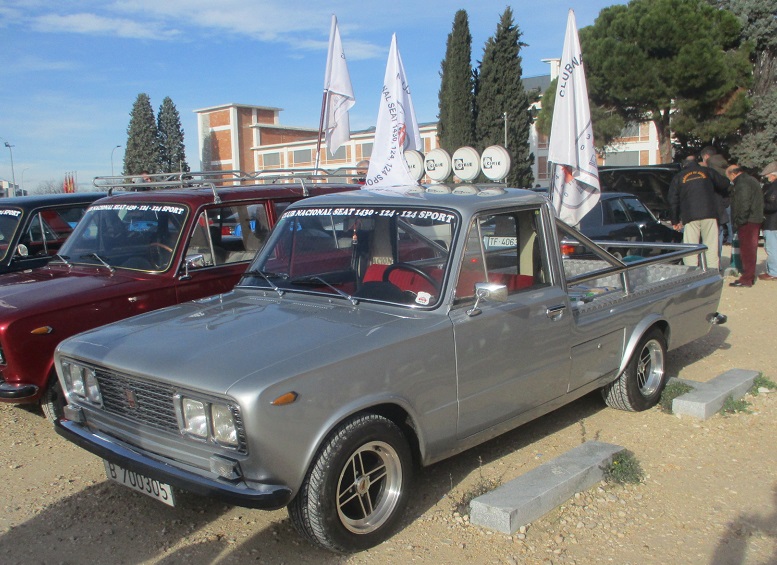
<point>511,356</point>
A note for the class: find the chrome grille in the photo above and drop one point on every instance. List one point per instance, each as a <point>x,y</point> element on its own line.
<point>137,400</point>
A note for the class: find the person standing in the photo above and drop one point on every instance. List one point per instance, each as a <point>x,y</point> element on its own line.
<point>770,222</point>
<point>747,215</point>
<point>694,208</point>
<point>711,159</point>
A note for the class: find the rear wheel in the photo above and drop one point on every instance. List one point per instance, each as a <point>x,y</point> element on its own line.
<point>640,385</point>
<point>53,400</point>
<point>353,495</point>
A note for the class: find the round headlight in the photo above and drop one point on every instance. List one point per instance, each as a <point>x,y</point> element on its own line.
<point>224,430</point>
<point>195,419</point>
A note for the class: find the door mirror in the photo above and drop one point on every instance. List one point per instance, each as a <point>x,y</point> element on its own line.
<point>487,292</point>
<point>22,251</point>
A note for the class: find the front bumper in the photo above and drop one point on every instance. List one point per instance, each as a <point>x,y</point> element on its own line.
<point>13,392</point>
<point>264,496</point>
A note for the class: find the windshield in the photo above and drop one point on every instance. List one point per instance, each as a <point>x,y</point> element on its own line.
<point>387,254</point>
<point>138,236</point>
<point>9,221</point>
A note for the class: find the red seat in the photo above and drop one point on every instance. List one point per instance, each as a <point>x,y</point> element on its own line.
<point>404,278</point>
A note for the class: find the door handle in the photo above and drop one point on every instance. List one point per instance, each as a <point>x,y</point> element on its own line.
<point>556,312</point>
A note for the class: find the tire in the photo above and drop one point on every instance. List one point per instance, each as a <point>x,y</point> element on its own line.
<point>53,400</point>
<point>640,385</point>
<point>373,501</point>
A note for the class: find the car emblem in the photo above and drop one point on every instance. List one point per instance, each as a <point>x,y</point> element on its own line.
<point>132,400</point>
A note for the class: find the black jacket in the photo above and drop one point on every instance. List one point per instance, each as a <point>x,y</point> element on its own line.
<point>692,193</point>
<point>770,206</point>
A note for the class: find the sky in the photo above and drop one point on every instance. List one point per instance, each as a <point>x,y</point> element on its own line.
<point>71,70</point>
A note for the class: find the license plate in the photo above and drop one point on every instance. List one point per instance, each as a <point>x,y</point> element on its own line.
<point>150,487</point>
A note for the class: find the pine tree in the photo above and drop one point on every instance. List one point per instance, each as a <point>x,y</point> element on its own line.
<point>172,152</point>
<point>142,148</point>
<point>456,127</point>
<point>500,92</point>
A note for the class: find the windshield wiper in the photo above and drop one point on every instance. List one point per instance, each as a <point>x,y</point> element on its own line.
<point>316,278</point>
<point>64,259</point>
<point>100,259</point>
<point>265,276</point>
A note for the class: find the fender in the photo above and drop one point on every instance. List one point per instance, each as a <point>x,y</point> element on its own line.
<point>639,330</point>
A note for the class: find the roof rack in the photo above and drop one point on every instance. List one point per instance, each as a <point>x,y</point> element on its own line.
<point>214,179</point>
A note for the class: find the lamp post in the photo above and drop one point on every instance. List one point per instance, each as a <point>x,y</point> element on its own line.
<point>13,175</point>
<point>22,186</point>
<point>112,150</point>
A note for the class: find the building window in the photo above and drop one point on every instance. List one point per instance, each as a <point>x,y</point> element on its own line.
<point>622,158</point>
<point>542,141</point>
<point>271,159</point>
<point>339,154</point>
<point>303,156</point>
<point>366,150</point>
<point>542,168</point>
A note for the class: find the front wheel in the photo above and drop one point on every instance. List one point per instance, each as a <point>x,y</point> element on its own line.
<point>640,385</point>
<point>353,495</point>
<point>53,400</point>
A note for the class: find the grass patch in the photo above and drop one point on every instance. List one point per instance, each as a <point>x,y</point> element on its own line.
<point>481,487</point>
<point>624,469</point>
<point>762,382</point>
<point>672,391</point>
<point>731,406</point>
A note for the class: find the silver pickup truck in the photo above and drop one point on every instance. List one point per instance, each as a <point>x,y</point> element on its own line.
<point>372,333</point>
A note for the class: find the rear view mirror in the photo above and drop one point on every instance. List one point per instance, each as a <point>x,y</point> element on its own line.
<point>488,292</point>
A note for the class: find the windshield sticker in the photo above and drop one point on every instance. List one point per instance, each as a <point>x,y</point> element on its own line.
<point>141,208</point>
<point>421,214</point>
<point>423,298</point>
<point>10,212</point>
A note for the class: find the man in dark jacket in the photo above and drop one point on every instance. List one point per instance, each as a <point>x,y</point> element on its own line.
<point>747,215</point>
<point>694,207</point>
<point>770,222</point>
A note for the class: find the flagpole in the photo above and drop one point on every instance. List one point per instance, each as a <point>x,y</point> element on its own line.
<point>321,128</point>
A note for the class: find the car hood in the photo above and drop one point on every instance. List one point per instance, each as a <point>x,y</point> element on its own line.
<point>213,344</point>
<point>50,288</point>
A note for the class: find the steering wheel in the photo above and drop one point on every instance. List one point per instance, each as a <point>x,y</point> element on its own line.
<point>413,269</point>
<point>159,254</point>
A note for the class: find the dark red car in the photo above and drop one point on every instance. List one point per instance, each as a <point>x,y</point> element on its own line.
<point>131,253</point>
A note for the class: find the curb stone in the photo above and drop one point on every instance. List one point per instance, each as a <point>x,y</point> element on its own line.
<point>707,398</point>
<point>530,496</point>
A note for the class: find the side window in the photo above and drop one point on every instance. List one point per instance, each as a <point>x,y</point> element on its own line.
<point>637,210</point>
<point>231,234</point>
<point>503,249</point>
<point>614,212</point>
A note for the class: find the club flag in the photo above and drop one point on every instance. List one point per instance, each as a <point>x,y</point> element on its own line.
<point>396,129</point>
<point>575,181</point>
<point>339,93</point>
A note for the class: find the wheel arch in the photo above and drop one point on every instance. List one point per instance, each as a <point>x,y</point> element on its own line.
<point>646,325</point>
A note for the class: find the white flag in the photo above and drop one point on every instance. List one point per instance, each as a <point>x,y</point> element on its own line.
<point>339,93</point>
<point>396,129</point>
<point>575,182</point>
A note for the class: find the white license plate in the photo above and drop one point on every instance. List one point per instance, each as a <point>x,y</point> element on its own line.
<point>150,487</point>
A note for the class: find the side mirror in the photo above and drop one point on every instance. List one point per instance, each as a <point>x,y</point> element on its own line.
<point>22,251</point>
<point>487,292</point>
<point>192,262</point>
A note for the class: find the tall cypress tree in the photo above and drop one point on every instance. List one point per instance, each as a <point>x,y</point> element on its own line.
<point>142,148</point>
<point>172,152</point>
<point>499,92</point>
<point>456,127</point>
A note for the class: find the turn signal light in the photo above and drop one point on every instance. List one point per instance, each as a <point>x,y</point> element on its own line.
<point>285,399</point>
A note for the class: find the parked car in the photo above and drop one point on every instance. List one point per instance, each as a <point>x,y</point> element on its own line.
<point>131,253</point>
<point>372,332</point>
<point>650,183</point>
<point>623,217</point>
<point>33,228</point>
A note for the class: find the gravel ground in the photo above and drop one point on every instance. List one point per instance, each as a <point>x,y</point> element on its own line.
<point>709,496</point>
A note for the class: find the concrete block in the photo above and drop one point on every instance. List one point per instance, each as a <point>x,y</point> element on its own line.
<point>708,398</point>
<point>530,496</point>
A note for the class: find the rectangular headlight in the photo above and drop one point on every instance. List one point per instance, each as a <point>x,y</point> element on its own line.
<point>195,418</point>
<point>224,429</point>
<point>81,382</point>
